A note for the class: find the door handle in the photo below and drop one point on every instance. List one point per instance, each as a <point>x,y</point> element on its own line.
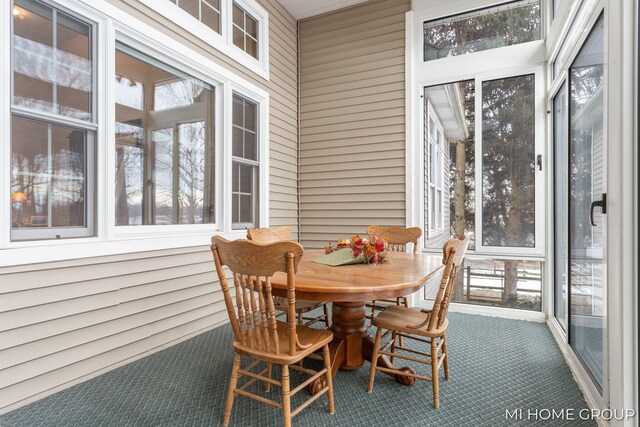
<point>599,203</point>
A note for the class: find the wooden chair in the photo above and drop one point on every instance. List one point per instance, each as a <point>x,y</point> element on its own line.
<point>272,235</point>
<point>397,239</point>
<point>257,333</point>
<point>425,326</point>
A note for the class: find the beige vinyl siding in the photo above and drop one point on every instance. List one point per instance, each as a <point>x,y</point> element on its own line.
<point>352,121</point>
<point>64,322</point>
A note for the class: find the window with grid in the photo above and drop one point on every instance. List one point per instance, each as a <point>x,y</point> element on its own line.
<point>245,31</point>
<point>53,124</point>
<point>435,181</point>
<point>245,163</point>
<point>205,11</point>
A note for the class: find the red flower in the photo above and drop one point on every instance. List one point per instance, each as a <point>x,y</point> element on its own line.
<point>380,245</point>
<point>357,251</point>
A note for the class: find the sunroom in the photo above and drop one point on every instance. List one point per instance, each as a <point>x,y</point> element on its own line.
<point>135,131</point>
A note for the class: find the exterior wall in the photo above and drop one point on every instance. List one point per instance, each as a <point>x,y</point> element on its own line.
<point>64,322</point>
<point>352,121</point>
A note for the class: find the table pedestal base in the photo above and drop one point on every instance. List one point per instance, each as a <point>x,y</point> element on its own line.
<point>352,345</point>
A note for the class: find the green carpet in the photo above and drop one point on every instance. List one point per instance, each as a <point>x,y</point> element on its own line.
<point>496,365</point>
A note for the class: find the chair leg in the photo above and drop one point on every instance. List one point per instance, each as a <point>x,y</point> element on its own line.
<point>394,336</point>
<point>434,374</point>
<point>232,386</point>
<point>373,312</point>
<point>286,396</point>
<point>445,354</point>
<point>374,359</point>
<point>327,365</point>
<point>300,318</point>
<point>399,302</point>
<point>326,315</point>
<point>267,386</point>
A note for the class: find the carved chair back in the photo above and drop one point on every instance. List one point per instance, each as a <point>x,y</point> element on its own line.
<point>269,235</point>
<point>253,317</point>
<point>453,255</point>
<point>397,237</point>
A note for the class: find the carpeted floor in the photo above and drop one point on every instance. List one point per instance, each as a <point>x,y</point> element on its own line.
<point>496,365</point>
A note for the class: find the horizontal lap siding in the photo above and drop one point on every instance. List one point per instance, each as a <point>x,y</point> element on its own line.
<point>352,121</point>
<point>283,123</point>
<point>64,322</point>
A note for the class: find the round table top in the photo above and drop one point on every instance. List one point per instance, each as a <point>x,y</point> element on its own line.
<point>403,275</point>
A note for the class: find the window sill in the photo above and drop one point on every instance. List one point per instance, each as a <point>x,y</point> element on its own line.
<point>24,253</point>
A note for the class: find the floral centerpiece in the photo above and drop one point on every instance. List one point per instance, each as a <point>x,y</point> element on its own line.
<point>371,251</point>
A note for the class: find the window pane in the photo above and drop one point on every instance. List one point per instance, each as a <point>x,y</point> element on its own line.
<point>504,25</point>
<point>130,179</point>
<point>498,282</point>
<point>245,31</point>
<point>238,37</point>
<point>561,196</point>
<point>587,179</point>
<point>252,27</point>
<point>244,193</point>
<point>191,7</point>
<point>164,158</point>
<point>237,145</point>
<point>508,162</point>
<point>48,175</point>
<point>210,17</point>
<point>250,115</point>
<point>252,47</point>
<point>51,74</point>
<point>250,146</point>
<point>454,106</point>
<point>163,212</point>
<point>245,170</point>
<point>238,16</point>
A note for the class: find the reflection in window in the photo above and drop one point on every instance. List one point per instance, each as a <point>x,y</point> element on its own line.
<point>245,31</point>
<point>52,61</point>
<point>503,25</point>
<point>164,144</point>
<point>52,169</point>
<point>205,11</point>
<point>48,175</point>
<point>449,162</point>
<point>508,162</point>
<point>129,93</point>
<point>245,163</point>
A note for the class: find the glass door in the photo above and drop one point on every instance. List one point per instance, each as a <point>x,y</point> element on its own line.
<point>587,188</point>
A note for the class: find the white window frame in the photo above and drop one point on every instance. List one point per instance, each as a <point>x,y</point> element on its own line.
<point>255,178</point>
<point>223,41</point>
<point>111,24</point>
<point>439,147</point>
<point>504,62</point>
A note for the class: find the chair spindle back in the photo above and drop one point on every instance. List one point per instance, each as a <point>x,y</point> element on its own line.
<point>252,265</point>
<point>453,255</point>
<point>397,238</point>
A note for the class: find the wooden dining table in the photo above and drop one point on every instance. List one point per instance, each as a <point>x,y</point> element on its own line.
<point>349,287</point>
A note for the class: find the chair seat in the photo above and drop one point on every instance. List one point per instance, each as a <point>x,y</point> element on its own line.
<point>302,306</point>
<point>397,318</point>
<point>314,338</point>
